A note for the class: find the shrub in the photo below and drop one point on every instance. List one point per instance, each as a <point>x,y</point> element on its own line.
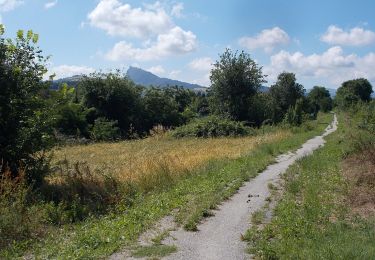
<point>294,115</point>
<point>71,120</point>
<point>212,126</point>
<point>25,127</point>
<point>105,130</point>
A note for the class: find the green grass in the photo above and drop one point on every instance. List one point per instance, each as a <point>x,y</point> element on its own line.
<point>311,220</point>
<point>257,217</point>
<point>194,195</point>
<point>154,251</point>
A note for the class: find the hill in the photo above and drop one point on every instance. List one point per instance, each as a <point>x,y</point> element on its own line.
<point>146,78</point>
<point>71,81</point>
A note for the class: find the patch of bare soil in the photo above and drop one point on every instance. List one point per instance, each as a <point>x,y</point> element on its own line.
<point>359,169</point>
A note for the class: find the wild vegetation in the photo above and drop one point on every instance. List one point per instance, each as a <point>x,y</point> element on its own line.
<point>191,194</point>
<point>326,211</point>
<point>84,170</point>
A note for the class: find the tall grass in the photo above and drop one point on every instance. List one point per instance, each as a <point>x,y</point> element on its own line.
<point>20,217</point>
<point>150,160</point>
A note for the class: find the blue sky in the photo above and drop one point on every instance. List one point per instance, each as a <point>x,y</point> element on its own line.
<point>323,42</point>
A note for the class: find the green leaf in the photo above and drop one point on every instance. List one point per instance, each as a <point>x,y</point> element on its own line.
<point>20,34</point>
<point>30,34</point>
<point>35,38</point>
<point>2,29</point>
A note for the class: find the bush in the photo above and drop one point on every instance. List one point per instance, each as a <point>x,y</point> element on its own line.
<point>294,115</point>
<point>71,120</point>
<point>105,130</point>
<point>212,126</point>
<point>25,127</point>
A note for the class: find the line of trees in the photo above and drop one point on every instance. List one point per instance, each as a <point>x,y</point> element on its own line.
<point>109,106</point>
<point>236,81</point>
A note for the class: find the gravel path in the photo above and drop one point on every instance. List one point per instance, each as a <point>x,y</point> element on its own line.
<point>219,236</point>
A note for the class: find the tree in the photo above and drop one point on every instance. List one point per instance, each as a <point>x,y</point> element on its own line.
<point>160,108</point>
<point>25,127</point>
<point>235,78</point>
<point>200,105</point>
<point>285,93</point>
<point>105,130</point>
<point>183,97</point>
<point>320,99</point>
<point>69,114</point>
<point>259,110</point>
<point>114,97</point>
<point>352,91</point>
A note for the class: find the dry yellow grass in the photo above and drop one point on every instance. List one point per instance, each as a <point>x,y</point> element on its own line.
<point>130,160</point>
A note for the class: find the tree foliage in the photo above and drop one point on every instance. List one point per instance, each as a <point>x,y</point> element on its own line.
<point>105,130</point>
<point>24,120</point>
<point>114,97</point>
<point>352,91</point>
<point>320,99</point>
<point>235,78</point>
<point>161,108</point>
<point>284,94</point>
<point>212,126</point>
<point>70,116</point>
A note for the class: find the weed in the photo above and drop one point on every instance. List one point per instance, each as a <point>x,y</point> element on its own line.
<point>160,237</point>
<point>154,251</point>
<point>257,217</point>
<point>19,218</point>
<point>272,186</point>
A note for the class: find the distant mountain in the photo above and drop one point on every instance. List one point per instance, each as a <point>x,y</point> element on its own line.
<point>264,89</point>
<point>71,81</point>
<point>146,78</point>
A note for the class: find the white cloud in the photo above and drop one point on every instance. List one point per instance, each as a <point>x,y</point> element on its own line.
<point>119,19</point>
<point>267,40</point>
<point>49,5</point>
<point>203,80</point>
<point>201,64</point>
<point>174,74</point>
<point>177,10</point>
<point>354,37</point>
<point>174,42</point>
<point>332,65</point>
<point>9,5</point>
<point>202,70</point>
<point>64,71</point>
<point>158,70</point>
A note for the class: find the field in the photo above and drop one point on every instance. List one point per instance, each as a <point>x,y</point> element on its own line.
<point>150,179</point>
<point>142,160</point>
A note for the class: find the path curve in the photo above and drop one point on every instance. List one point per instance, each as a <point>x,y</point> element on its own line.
<point>219,236</point>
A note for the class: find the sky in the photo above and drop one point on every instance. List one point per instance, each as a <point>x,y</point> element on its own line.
<point>324,42</point>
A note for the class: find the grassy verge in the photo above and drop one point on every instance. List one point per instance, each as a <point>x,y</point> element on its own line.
<point>313,219</point>
<point>193,195</point>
